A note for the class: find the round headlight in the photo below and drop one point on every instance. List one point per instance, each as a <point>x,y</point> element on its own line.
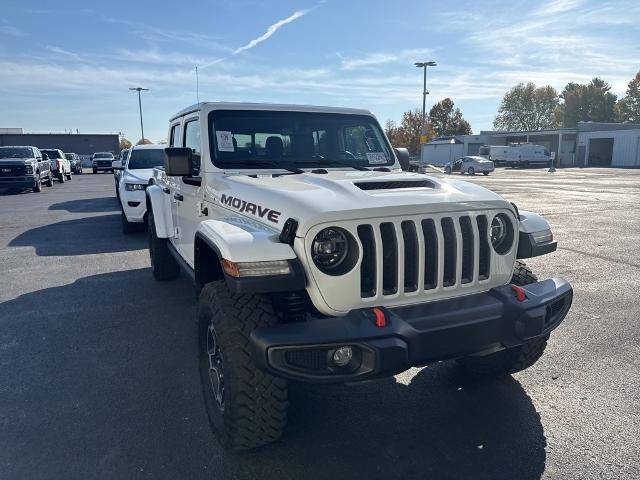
<point>501,233</point>
<point>330,248</point>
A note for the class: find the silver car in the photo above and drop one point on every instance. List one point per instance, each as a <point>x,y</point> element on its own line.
<point>470,165</point>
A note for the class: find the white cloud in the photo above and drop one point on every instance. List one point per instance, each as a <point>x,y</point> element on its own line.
<point>271,30</point>
<point>11,30</point>
<point>381,58</point>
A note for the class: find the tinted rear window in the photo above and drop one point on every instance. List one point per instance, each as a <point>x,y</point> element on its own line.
<point>146,159</point>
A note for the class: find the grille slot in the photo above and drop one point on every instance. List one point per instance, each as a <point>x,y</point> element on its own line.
<point>368,272</point>
<point>484,252</point>
<point>450,251</point>
<point>389,258</point>
<point>411,260</point>
<point>430,254</point>
<point>466,231</point>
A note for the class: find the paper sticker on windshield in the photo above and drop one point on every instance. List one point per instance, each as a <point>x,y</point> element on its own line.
<point>376,157</point>
<point>225,141</point>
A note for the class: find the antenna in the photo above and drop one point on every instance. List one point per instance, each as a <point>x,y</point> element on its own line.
<point>197,87</point>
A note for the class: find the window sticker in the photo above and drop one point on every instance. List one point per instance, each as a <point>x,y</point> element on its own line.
<point>225,141</point>
<point>376,157</point>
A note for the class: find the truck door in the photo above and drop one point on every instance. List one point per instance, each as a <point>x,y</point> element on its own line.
<point>190,200</point>
<point>173,188</point>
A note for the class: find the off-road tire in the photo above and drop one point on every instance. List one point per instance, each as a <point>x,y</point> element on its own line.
<point>522,275</point>
<point>163,265</point>
<point>511,360</point>
<point>127,226</point>
<point>38,186</point>
<point>254,402</point>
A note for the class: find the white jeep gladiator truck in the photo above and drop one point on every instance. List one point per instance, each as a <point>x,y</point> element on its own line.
<point>318,259</point>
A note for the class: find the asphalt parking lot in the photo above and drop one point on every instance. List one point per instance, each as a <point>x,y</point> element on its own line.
<point>99,372</point>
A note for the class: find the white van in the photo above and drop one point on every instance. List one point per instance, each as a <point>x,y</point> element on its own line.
<point>527,154</point>
<point>496,153</point>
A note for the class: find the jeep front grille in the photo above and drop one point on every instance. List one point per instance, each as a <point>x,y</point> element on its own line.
<point>423,254</point>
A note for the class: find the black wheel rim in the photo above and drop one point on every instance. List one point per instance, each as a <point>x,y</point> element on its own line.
<point>216,371</point>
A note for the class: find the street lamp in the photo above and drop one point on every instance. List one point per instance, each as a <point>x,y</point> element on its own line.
<point>140,89</point>
<point>424,66</point>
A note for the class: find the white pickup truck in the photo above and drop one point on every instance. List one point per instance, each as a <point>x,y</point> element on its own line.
<point>317,259</point>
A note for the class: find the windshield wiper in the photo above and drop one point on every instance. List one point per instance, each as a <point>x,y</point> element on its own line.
<point>268,164</point>
<point>342,164</point>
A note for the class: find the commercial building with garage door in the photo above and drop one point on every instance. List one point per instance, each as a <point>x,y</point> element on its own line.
<point>592,144</point>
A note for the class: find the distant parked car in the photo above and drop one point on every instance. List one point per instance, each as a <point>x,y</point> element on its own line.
<point>118,166</point>
<point>24,167</point>
<point>101,162</point>
<point>60,166</point>
<point>75,161</point>
<point>470,165</point>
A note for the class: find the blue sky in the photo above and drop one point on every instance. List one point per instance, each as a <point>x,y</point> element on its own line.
<point>68,64</point>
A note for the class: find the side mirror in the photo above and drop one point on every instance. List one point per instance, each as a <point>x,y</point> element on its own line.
<point>403,157</point>
<point>116,165</point>
<point>178,161</point>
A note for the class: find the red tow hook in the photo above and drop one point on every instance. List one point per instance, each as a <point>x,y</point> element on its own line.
<point>379,320</point>
<point>521,295</point>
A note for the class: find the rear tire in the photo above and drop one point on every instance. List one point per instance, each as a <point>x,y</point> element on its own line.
<point>61,178</point>
<point>49,182</point>
<point>510,360</point>
<point>247,407</point>
<point>163,265</point>
<point>69,175</point>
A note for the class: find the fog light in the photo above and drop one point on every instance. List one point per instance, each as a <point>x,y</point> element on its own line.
<point>342,356</point>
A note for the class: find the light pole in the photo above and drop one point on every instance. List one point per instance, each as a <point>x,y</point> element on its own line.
<point>140,89</point>
<point>424,66</point>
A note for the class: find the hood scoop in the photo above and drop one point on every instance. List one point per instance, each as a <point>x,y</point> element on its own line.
<point>394,185</point>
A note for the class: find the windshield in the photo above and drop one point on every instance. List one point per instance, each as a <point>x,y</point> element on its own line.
<point>52,153</point>
<point>16,152</point>
<point>147,158</point>
<point>108,156</point>
<point>268,139</point>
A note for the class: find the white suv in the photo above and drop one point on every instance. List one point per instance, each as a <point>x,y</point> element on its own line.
<point>317,259</point>
<point>135,174</point>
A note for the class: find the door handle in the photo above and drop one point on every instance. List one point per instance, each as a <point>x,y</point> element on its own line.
<point>178,197</point>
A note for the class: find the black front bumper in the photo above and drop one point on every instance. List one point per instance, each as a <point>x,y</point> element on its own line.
<point>413,335</point>
<point>26,181</point>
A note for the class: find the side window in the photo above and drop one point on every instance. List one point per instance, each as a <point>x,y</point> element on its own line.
<point>192,141</point>
<point>174,139</point>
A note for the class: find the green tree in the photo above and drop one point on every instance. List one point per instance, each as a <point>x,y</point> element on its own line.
<point>407,134</point>
<point>526,107</point>
<point>592,102</point>
<point>628,108</point>
<point>446,121</point>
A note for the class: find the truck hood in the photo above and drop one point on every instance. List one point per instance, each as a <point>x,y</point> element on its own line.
<point>312,198</point>
<point>139,175</point>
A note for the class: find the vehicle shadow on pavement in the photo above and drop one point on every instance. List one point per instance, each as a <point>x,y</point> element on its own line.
<point>87,205</point>
<point>83,236</point>
<point>100,379</point>
<point>444,424</point>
